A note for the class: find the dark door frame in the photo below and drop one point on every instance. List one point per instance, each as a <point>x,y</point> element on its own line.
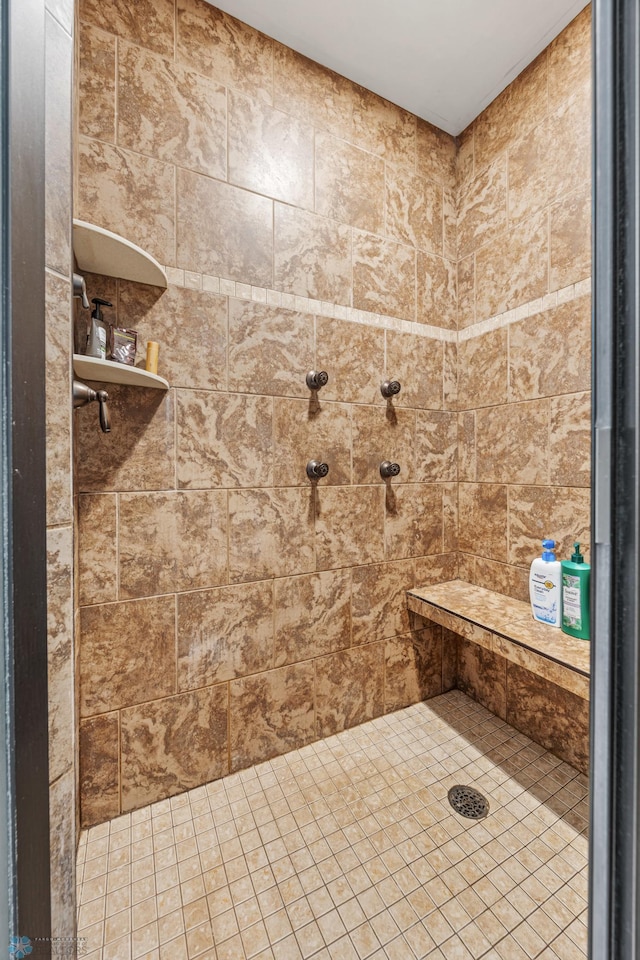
<point>615,732</point>
<point>24,772</point>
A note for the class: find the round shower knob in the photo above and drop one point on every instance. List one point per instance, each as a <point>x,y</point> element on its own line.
<point>317,379</point>
<point>388,469</point>
<point>390,388</point>
<point>316,470</point>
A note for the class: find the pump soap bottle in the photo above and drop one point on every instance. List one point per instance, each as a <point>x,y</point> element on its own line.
<point>544,586</point>
<point>576,575</point>
<point>98,331</point>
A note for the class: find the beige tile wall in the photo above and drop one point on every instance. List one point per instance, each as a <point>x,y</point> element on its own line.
<point>524,402</point>
<point>230,611</point>
<point>60,513</point>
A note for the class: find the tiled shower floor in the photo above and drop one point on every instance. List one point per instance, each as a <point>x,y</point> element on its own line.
<point>347,849</point>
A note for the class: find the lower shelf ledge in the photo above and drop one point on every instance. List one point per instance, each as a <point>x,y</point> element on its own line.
<point>107,371</point>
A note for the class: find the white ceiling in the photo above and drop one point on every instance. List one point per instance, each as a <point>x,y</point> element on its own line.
<point>443,60</point>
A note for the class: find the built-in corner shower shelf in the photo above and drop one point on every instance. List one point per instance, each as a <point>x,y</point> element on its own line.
<point>100,251</point>
<point>106,371</point>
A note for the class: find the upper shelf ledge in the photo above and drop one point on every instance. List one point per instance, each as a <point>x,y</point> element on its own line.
<point>100,251</point>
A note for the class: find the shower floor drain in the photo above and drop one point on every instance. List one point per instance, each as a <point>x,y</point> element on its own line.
<point>468,802</point>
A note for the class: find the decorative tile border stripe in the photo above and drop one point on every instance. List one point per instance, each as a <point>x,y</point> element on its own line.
<point>324,308</point>
<point>321,308</point>
<point>542,304</point>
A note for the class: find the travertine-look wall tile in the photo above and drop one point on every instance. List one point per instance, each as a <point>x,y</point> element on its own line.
<point>435,291</point>
<point>171,541</point>
<point>551,160</point>
<point>171,113</point>
<point>483,676</point>
<point>450,517</point>
<point>450,224</point>
<point>173,745</point>
<point>60,650</point>
<point>482,208</point>
<point>466,292</point>
<point>283,543</point>
<point>435,153</point>
<point>513,268</point>
<point>413,520</point>
<point>413,667</point>
<point>384,276</point>
<point>58,408</point>
<point>139,452</point>
<point>97,84</point>
<point>223,48</point>
<point>436,569</point>
<point>212,451</point>
<point>129,194</point>
<point>570,440</point>
<point>555,718</point>
<point>383,128</point>
<point>413,210</point>
<point>436,446</point>
<point>378,603</point>
<point>380,434</point>
<point>236,243</point>
<point>561,513</point>
<point>504,578</point>
<point>353,356</point>
<point>312,615</point>
<point>482,370</point>
<point>417,363</point>
<point>512,443</point>
<point>151,25</point>
<point>312,255</point>
<point>189,325</point>
<point>62,800</point>
<point>349,688</point>
<point>450,376</point>
<point>224,633</point>
<point>57,147</point>
<point>570,60</point>
<point>348,526</point>
<point>483,520</point>
<point>270,152</point>
<point>521,106</point>
<point>271,714</point>
<point>466,448</point>
<point>552,356</point>
<point>349,184</point>
<point>570,239</point>
<point>311,430</point>
<point>127,654</point>
<point>97,548</point>
<point>99,769</point>
<point>270,350</point>
<point>465,148</point>
<point>311,92</point>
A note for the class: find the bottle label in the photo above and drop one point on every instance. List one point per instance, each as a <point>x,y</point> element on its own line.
<point>571,607</point>
<point>544,600</point>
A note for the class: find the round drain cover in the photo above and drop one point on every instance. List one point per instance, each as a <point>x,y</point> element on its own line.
<point>468,802</point>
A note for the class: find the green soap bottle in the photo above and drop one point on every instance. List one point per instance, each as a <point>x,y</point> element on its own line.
<point>575,595</point>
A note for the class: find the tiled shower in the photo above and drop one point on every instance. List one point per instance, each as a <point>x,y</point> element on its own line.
<point>238,628</point>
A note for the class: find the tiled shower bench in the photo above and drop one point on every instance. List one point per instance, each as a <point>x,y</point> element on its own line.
<point>533,676</point>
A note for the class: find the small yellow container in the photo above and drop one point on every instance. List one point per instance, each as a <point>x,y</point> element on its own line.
<point>153,349</point>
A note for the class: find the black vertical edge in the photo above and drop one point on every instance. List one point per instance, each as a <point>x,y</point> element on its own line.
<point>24,302</point>
<point>615,697</point>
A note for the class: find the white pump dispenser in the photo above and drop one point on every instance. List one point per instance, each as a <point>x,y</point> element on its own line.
<point>544,586</point>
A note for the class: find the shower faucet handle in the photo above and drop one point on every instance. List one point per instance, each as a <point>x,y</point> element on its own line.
<point>83,394</point>
<point>389,469</point>
<point>316,470</point>
<point>80,290</point>
<point>317,379</point>
<point>390,388</point>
